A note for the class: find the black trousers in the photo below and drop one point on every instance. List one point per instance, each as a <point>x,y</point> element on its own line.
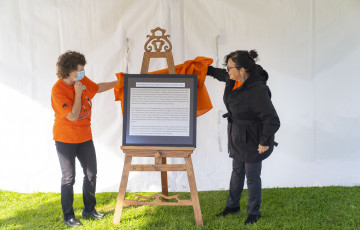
<point>85,152</point>
<point>252,171</point>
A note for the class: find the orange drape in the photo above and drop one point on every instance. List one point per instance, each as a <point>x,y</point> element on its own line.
<point>197,66</point>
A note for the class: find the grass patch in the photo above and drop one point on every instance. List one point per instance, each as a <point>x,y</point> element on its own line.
<point>282,208</point>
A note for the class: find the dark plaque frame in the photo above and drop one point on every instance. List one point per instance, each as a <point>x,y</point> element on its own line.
<point>130,81</point>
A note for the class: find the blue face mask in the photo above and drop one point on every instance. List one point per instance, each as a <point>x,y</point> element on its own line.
<point>80,75</point>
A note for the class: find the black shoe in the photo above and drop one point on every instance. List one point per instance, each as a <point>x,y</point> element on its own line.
<point>228,211</point>
<point>252,219</point>
<point>72,222</point>
<point>93,215</point>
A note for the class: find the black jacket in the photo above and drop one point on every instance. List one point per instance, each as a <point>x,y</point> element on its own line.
<point>252,118</point>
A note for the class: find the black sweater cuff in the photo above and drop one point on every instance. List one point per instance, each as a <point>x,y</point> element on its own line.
<point>210,70</point>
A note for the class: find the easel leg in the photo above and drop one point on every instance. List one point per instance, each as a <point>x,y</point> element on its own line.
<point>164,180</point>
<point>122,190</point>
<point>193,190</point>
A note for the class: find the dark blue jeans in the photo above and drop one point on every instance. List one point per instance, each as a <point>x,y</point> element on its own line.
<point>85,152</point>
<point>252,171</point>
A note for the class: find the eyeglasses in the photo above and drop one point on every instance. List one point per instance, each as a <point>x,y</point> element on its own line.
<point>229,68</point>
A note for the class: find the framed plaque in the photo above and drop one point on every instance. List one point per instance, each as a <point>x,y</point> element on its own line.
<point>159,110</point>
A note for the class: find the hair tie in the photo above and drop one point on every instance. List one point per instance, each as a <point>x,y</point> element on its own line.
<point>250,56</point>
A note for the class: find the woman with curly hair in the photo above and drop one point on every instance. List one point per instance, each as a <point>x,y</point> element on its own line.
<point>71,100</point>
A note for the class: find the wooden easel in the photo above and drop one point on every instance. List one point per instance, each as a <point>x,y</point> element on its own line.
<point>159,153</point>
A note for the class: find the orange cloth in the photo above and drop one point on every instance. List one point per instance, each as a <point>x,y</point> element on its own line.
<point>237,84</point>
<point>197,66</point>
<point>62,99</point>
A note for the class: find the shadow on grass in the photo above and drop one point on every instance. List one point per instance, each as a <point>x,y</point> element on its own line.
<point>43,211</point>
<point>180,217</point>
<point>283,208</point>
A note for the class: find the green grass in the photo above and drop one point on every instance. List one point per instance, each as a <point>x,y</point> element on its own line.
<point>282,208</point>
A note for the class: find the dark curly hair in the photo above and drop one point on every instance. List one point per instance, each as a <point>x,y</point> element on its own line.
<point>243,59</point>
<point>68,62</point>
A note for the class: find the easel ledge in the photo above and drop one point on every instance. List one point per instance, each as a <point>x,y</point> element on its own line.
<point>163,148</point>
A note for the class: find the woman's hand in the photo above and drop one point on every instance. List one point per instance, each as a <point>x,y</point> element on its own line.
<point>78,87</point>
<point>73,115</point>
<point>262,149</point>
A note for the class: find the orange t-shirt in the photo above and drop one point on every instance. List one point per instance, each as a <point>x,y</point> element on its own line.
<point>62,99</point>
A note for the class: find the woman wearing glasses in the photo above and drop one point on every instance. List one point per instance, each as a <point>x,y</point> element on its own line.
<point>252,124</point>
<point>71,100</point>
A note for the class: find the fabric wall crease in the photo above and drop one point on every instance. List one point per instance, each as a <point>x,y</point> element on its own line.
<point>309,48</point>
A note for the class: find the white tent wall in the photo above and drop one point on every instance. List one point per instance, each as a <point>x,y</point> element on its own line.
<point>311,50</point>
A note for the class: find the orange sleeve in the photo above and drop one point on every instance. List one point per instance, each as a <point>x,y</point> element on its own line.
<point>91,86</point>
<point>61,104</point>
